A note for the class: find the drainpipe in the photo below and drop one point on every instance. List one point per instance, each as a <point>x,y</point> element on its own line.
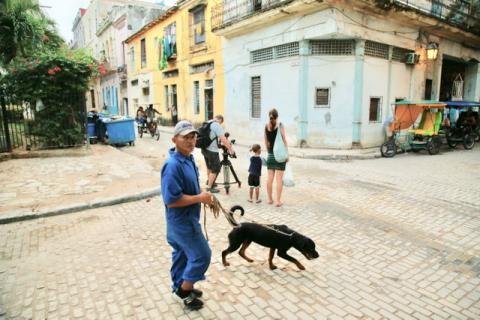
<point>389,81</point>
<point>303,93</point>
<point>358,90</point>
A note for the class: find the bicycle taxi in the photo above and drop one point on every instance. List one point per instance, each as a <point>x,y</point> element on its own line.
<point>406,135</point>
<point>465,129</point>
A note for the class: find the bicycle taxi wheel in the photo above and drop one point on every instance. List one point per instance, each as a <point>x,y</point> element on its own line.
<point>388,149</point>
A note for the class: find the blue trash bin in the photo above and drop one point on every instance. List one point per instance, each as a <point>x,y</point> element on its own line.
<point>91,130</point>
<point>121,131</point>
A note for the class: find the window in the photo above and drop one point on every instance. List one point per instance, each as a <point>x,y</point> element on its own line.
<point>428,89</point>
<point>256,93</point>
<point>376,49</point>
<point>284,50</point>
<point>134,82</point>
<point>198,25</point>
<point>332,47</point>
<point>400,54</point>
<point>143,53</point>
<point>375,105</point>
<point>169,42</point>
<point>322,97</point>
<point>165,97</point>
<point>196,97</point>
<point>170,74</point>
<point>202,67</point>
<point>132,58</point>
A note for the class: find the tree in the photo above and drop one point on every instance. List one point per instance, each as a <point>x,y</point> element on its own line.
<point>24,29</point>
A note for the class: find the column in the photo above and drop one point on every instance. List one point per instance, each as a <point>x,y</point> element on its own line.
<point>303,93</point>
<point>358,90</point>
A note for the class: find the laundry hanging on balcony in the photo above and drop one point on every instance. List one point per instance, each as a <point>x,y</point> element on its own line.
<point>457,88</point>
<point>169,50</point>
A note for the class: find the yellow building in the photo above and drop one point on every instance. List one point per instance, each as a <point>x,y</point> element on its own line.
<point>175,62</point>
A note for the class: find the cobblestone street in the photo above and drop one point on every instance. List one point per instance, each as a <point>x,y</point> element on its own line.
<point>398,239</point>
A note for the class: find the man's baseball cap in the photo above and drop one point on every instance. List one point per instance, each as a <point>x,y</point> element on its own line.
<point>183,128</point>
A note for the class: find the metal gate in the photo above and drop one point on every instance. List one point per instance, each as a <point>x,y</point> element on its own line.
<point>22,126</point>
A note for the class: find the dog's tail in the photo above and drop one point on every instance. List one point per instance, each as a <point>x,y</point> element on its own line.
<point>229,215</point>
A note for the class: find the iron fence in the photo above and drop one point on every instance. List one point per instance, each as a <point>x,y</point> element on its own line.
<point>29,127</point>
<point>231,11</point>
<point>461,13</point>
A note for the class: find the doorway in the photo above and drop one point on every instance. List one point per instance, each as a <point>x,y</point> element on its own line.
<point>451,68</point>
<point>208,104</point>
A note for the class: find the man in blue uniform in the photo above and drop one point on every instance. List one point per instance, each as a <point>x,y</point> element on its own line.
<point>182,197</point>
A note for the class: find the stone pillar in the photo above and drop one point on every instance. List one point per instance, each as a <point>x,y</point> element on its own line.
<point>358,90</point>
<point>303,93</point>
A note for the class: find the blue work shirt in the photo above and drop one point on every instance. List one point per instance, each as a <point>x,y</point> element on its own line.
<point>180,176</point>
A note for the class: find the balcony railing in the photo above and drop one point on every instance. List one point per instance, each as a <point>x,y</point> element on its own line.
<point>231,11</point>
<point>461,13</point>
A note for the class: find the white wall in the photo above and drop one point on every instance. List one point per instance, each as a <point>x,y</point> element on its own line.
<point>329,127</point>
<point>136,92</point>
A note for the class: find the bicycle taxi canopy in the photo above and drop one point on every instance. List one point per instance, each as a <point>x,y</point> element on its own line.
<point>461,104</point>
<point>407,112</point>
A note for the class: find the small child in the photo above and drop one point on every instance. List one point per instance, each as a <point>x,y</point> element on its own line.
<point>255,171</point>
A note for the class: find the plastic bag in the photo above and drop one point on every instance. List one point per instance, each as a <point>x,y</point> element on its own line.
<point>280,152</point>
<point>288,177</point>
<point>264,161</point>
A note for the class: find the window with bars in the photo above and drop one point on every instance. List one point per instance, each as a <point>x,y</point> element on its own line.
<point>202,67</point>
<point>209,84</point>
<point>196,97</point>
<point>399,54</point>
<point>143,53</point>
<point>285,50</point>
<point>375,107</point>
<point>376,49</point>
<point>170,74</point>
<point>256,95</point>
<point>261,55</point>
<point>198,25</point>
<point>322,97</point>
<point>332,47</point>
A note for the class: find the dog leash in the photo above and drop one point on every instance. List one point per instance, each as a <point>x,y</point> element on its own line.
<point>216,207</point>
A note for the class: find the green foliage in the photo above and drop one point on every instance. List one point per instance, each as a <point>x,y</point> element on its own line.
<point>24,30</point>
<point>59,80</point>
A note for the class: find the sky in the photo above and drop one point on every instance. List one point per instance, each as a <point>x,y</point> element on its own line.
<point>63,12</point>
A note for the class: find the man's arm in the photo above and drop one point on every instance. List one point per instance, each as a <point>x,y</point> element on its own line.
<point>187,200</point>
<point>227,144</point>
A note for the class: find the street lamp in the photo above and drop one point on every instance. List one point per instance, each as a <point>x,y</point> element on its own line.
<point>432,51</point>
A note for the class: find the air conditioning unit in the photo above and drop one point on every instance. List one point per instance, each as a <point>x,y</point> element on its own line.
<point>412,58</point>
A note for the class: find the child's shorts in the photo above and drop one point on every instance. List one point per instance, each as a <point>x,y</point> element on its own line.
<point>253,181</point>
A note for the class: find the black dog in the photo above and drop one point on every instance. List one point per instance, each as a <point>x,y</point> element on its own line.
<point>275,237</point>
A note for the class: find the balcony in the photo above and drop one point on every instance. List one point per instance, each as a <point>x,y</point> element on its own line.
<point>230,17</point>
<point>459,13</point>
<point>230,11</point>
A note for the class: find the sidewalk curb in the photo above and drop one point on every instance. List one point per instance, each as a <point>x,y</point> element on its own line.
<point>24,216</point>
<point>328,156</point>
